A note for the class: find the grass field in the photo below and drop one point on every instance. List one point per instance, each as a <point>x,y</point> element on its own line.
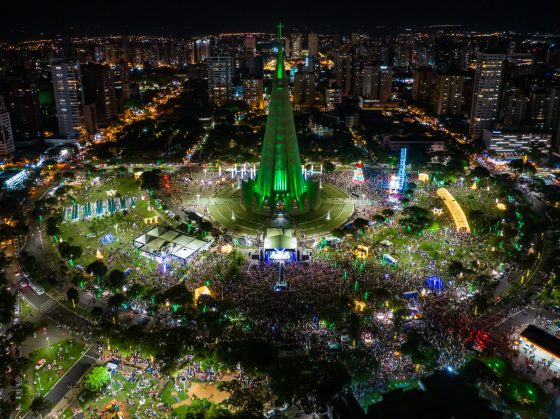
<point>25,308</point>
<point>132,397</point>
<point>59,359</point>
<point>124,226</point>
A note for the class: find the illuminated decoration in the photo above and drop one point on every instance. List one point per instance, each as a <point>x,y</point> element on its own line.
<point>361,252</point>
<point>501,206</point>
<point>226,249</point>
<point>437,211</point>
<point>398,182</point>
<point>200,291</point>
<point>280,181</point>
<point>107,239</point>
<point>459,218</point>
<point>359,305</point>
<point>98,255</point>
<point>435,283</point>
<point>389,259</point>
<point>473,186</point>
<point>424,177</point>
<point>138,175</point>
<point>358,178</point>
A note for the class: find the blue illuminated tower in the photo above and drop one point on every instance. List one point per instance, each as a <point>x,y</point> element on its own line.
<point>401,175</point>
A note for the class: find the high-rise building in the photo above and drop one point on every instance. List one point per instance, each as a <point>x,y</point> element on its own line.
<point>296,43</point>
<point>66,85</point>
<point>250,44</point>
<point>331,96</point>
<point>422,84</point>
<point>515,143</point>
<point>7,147</point>
<point>343,66</point>
<point>22,101</point>
<point>98,87</point>
<point>253,91</point>
<point>514,109</point>
<point>448,97</point>
<point>489,71</point>
<point>304,88</point>
<point>543,105</point>
<point>121,86</point>
<point>378,81</point>
<point>110,53</point>
<point>90,119</point>
<point>202,49</point>
<point>313,45</point>
<point>220,79</point>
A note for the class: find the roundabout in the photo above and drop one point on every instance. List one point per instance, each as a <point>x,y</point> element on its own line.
<point>333,210</point>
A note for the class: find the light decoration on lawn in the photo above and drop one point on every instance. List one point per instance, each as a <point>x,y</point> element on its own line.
<point>435,283</point>
<point>200,291</point>
<point>424,177</point>
<point>459,217</point>
<point>358,178</point>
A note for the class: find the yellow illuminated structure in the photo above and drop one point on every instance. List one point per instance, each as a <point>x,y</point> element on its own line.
<point>424,177</point>
<point>361,252</point>
<point>459,218</point>
<point>359,305</point>
<point>501,206</point>
<point>200,291</point>
<point>226,249</point>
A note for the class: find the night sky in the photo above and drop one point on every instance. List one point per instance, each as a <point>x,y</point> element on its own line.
<point>27,19</point>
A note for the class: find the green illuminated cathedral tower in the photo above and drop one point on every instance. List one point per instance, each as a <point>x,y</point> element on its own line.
<point>280,181</point>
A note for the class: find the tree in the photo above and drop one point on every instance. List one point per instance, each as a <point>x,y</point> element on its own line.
<point>7,301</point>
<point>455,268</point>
<point>96,379</point>
<point>354,326</point>
<point>329,166</point>
<point>116,300</point>
<point>150,180</point>
<point>69,252</point>
<point>52,225</point>
<point>40,406</point>
<point>72,294</point>
<point>116,278</point>
<point>97,268</point>
<point>197,409</point>
<point>480,172</point>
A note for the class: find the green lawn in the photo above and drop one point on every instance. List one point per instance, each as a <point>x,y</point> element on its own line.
<point>124,185</point>
<point>59,358</point>
<point>123,393</point>
<point>25,308</point>
<point>87,234</point>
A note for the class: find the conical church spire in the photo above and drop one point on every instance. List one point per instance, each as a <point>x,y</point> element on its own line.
<point>280,173</point>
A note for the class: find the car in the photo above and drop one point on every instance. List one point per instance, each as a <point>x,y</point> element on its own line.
<point>270,413</point>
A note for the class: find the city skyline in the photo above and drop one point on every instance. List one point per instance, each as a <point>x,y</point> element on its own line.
<point>44,19</point>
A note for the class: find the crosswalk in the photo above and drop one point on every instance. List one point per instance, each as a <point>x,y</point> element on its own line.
<point>47,306</point>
